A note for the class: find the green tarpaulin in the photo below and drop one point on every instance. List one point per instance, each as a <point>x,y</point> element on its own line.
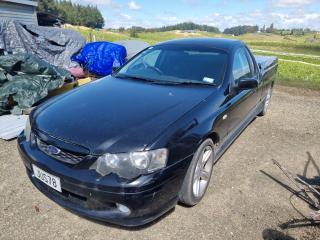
<point>25,79</point>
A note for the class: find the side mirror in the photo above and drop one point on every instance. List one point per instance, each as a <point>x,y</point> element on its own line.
<point>247,83</point>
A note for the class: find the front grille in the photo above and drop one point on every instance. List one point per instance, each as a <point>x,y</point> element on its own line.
<point>60,155</point>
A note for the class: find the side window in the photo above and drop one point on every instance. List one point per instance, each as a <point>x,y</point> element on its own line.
<point>252,67</point>
<point>152,58</point>
<point>147,58</point>
<point>241,67</point>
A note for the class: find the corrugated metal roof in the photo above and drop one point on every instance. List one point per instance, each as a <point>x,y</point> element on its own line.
<point>24,2</point>
<point>11,126</point>
<point>25,14</point>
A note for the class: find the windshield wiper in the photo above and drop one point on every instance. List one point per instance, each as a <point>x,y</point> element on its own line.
<point>139,78</point>
<point>163,82</point>
<point>196,83</point>
<point>123,76</point>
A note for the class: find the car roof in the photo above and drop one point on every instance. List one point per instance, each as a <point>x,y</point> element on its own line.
<point>217,43</point>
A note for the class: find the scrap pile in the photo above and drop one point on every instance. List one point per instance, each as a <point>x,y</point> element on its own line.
<point>307,190</point>
<point>25,79</point>
<point>39,62</point>
<point>100,58</point>
<point>33,62</point>
<point>54,45</point>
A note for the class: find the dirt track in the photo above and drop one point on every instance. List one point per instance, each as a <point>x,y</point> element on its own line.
<point>241,203</point>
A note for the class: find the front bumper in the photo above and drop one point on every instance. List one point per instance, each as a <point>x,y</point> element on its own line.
<point>87,194</point>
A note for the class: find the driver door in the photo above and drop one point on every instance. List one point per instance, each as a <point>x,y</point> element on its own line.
<point>243,102</point>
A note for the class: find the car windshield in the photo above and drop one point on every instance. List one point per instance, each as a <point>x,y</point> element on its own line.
<point>177,65</point>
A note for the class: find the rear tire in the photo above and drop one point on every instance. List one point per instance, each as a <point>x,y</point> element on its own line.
<point>199,174</point>
<point>266,101</point>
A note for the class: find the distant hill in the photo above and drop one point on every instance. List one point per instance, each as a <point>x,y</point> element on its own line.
<point>239,30</point>
<point>186,26</point>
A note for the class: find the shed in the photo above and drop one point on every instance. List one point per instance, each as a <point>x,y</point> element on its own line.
<point>23,11</point>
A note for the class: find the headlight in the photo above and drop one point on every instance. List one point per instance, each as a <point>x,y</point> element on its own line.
<point>27,129</point>
<point>131,165</point>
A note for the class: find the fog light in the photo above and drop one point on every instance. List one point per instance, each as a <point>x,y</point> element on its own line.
<point>123,208</point>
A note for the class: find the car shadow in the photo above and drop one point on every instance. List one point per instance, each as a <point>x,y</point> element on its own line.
<point>271,234</point>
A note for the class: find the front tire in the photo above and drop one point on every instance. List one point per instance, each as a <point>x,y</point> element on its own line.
<point>199,174</point>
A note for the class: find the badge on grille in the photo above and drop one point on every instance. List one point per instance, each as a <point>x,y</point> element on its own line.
<point>53,150</point>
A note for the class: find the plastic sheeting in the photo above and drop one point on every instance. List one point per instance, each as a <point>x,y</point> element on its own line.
<point>100,57</point>
<point>133,46</point>
<point>11,126</point>
<point>26,79</point>
<point>54,45</point>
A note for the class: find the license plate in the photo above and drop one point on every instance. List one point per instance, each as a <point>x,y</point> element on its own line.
<point>47,178</point>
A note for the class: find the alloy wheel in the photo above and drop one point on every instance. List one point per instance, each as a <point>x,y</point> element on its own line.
<point>202,172</point>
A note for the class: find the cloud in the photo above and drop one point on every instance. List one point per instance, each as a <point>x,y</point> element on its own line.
<point>133,5</point>
<point>126,16</point>
<point>292,3</point>
<point>167,18</point>
<point>293,19</point>
<point>127,21</point>
<point>295,15</point>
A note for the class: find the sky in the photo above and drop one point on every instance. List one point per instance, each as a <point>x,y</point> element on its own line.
<point>218,13</point>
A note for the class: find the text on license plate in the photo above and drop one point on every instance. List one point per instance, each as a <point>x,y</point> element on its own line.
<point>47,178</point>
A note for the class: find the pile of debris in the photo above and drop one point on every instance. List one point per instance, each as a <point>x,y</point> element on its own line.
<point>33,62</point>
<point>100,58</point>
<point>53,45</point>
<point>25,79</point>
<point>37,63</point>
<point>308,190</point>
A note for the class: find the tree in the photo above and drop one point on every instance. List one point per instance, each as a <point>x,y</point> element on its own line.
<point>133,33</point>
<point>186,26</point>
<point>270,29</point>
<point>48,6</point>
<point>239,30</point>
<point>75,14</point>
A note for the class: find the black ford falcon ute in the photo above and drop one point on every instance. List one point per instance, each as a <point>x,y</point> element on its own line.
<point>127,148</point>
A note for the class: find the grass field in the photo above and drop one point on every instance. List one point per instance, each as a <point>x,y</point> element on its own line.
<point>299,56</point>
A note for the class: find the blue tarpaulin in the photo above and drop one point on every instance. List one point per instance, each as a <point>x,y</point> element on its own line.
<point>100,57</point>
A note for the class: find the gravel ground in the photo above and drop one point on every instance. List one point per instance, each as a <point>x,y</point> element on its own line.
<point>241,202</point>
